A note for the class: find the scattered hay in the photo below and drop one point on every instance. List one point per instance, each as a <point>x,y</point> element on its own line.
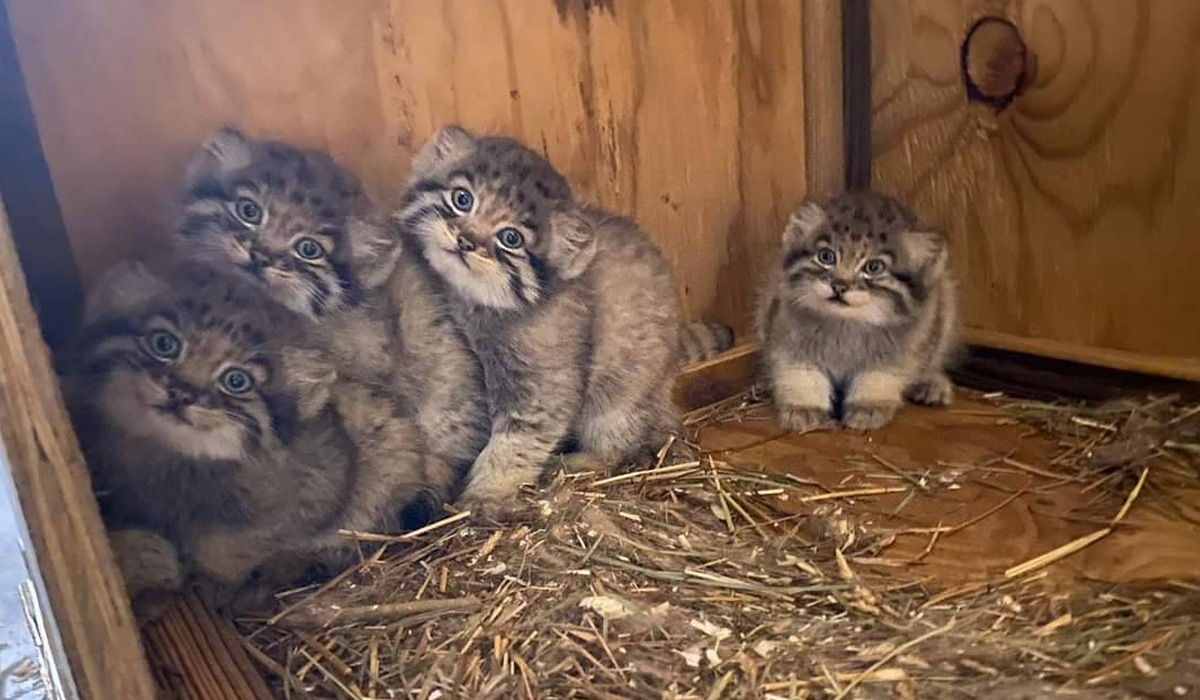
<point>685,580</point>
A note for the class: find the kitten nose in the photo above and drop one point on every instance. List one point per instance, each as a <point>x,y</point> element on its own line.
<point>465,244</point>
<point>839,288</point>
<point>180,396</point>
<point>259,259</point>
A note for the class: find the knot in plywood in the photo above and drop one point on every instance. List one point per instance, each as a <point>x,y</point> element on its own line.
<point>996,64</point>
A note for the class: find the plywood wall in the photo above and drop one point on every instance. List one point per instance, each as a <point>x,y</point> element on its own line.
<point>1075,212</point>
<point>689,116</point>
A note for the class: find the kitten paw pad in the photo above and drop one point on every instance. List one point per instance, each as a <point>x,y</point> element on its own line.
<point>932,392</point>
<point>868,416</point>
<point>804,420</point>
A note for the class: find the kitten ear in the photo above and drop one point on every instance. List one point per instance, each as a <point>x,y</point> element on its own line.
<point>374,248</point>
<point>572,243</point>
<point>803,222</point>
<point>226,151</point>
<point>449,144</point>
<point>124,288</point>
<point>926,250</point>
<point>313,376</point>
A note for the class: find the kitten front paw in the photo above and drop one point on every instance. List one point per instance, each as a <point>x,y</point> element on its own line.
<point>580,462</point>
<point>215,595</point>
<point>151,605</point>
<point>805,419</point>
<point>870,416</point>
<point>491,503</point>
<point>934,391</point>
<point>254,597</point>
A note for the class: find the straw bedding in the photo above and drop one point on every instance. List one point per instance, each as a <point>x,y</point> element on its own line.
<point>683,578</point>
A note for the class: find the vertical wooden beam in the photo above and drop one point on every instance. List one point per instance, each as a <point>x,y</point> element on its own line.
<point>87,599</point>
<point>856,67</point>
<point>824,133</point>
<point>37,224</point>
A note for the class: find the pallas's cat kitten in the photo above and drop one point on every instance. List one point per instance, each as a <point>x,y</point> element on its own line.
<point>571,310</point>
<point>860,313</point>
<point>202,420</point>
<point>296,224</point>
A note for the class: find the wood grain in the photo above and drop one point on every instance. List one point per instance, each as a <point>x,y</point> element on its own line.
<point>197,655</point>
<point>87,598</point>
<point>1171,366</point>
<point>689,116</point>
<point>705,383</point>
<point>1071,212</point>
<point>825,137</point>
<point>948,446</point>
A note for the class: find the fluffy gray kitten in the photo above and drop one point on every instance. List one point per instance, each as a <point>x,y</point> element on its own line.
<point>203,420</point>
<point>861,312</point>
<point>570,310</point>
<point>297,225</point>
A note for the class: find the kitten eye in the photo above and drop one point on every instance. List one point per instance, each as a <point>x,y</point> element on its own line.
<point>163,345</point>
<point>462,200</point>
<point>248,211</point>
<point>874,267</point>
<point>510,238</point>
<point>308,249</point>
<point>236,381</point>
<point>826,256</point>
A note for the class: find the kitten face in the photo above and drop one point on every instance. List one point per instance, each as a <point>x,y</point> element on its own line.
<point>277,214</point>
<point>186,366</point>
<point>857,258</point>
<point>490,217</point>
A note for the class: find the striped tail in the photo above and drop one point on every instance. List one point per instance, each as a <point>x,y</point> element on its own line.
<point>702,341</point>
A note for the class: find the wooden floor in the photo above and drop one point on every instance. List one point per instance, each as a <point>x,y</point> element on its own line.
<point>932,454</point>
<point>937,454</point>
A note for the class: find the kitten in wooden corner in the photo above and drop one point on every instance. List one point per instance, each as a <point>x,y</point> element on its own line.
<point>224,450</point>
<point>860,313</point>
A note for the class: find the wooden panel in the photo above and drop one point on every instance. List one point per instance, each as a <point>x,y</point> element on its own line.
<point>86,596</point>
<point>687,115</point>
<point>1072,212</point>
<point>705,383</point>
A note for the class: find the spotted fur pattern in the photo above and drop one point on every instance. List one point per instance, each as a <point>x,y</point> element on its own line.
<point>379,314</point>
<point>205,420</point>
<point>860,312</point>
<point>280,215</point>
<point>570,310</point>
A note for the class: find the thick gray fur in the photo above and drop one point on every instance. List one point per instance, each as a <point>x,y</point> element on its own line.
<point>150,567</point>
<point>261,480</point>
<point>841,342</point>
<point>374,307</point>
<point>576,328</point>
